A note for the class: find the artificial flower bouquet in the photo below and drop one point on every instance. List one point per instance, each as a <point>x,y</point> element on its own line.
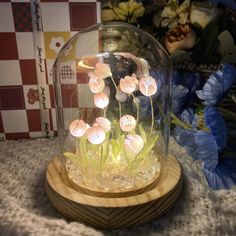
<point>200,37</point>
<point>194,31</point>
<point>116,151</point>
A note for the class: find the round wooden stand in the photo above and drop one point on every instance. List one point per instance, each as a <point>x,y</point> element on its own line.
<point>114,212</point>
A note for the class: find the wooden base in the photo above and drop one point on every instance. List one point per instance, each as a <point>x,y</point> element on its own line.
<point>114,212</point>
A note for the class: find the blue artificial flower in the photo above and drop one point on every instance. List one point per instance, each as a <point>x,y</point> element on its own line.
<point>215,122</point>
<point>187,116</point>
<point>185,138</point>
<point>207,149</point>
<point>200,145</point>
<point>219,173</point>
<point>205,146</point>
<point>217,85</point>
<point>183,89</point>
<point>192,81</point>
<point>179,98</point>
<point>223,176</point>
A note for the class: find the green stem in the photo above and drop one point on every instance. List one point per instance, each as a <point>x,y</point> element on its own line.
<point>117,92</point>
<point>177,121</point>
<point>161,111</point>
<point>105,112</point>
<point>137,106</point>
<point>152,111</point>
<point>225,112</point>
<point>101,157</point>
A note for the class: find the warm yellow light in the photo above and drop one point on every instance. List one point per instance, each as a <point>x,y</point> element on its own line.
<point>82,64</point>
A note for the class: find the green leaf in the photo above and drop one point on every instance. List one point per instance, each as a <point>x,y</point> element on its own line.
<point>83,147</point>
<point>106,149</point>
<point>126,157</point>
<point>148,147</point>
<point>72,157</point>
<point>135,164</point>
<point>142,133</point>
<point>120,141</point>
<point>117,129</point>
<point>114,148</point>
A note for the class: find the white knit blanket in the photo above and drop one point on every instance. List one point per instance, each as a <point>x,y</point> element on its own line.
<point>26,210</point>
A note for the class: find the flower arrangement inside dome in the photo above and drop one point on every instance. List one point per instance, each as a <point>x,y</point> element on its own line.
<point>116,150</point>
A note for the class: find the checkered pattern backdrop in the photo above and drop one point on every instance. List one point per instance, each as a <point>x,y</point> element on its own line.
<point>31,35</point>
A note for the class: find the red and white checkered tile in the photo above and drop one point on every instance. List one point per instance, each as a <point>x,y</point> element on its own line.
<point>20,86</point>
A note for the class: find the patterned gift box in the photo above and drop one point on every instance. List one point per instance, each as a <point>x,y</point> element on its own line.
<point>31,35</point>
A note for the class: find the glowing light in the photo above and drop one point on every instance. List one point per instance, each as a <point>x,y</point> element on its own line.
<point>78,128</point>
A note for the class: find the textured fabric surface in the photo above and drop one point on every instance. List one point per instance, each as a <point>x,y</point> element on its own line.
<point>26,210</point>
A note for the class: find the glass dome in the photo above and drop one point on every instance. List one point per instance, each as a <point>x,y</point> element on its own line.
<point>112,89</point>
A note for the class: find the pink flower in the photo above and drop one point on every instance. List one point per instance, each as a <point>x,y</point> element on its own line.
<point>102,70</point>
<point>96,135</point>
<point>148,86</point>
<point>128,84</point>
<point>127,123</point>
<point>78,128</point>
<point>96,85</point>
<point>101,100</point>
<point>104,123</point>
<point>134,143</point>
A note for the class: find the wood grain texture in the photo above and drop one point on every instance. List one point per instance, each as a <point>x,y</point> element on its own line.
<point>114,212</point>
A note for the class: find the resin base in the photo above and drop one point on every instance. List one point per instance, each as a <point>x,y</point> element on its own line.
<point>114,212</point>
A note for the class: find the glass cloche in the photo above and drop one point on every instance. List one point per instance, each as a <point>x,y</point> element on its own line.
<point>112,89</point>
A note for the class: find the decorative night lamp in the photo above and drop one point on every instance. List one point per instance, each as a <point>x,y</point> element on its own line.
<point>112,89</point>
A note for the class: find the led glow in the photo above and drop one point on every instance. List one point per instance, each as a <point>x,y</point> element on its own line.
<point>128,84</point>
<point>78,128</point>
<point>96,135</point>
<point>127,123</point>
<point>104,123</point>
<point>96,85</point>
<point>148,86</point>
<point>101,100</point>
<point>134,143</point>
<point>82,64</point>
